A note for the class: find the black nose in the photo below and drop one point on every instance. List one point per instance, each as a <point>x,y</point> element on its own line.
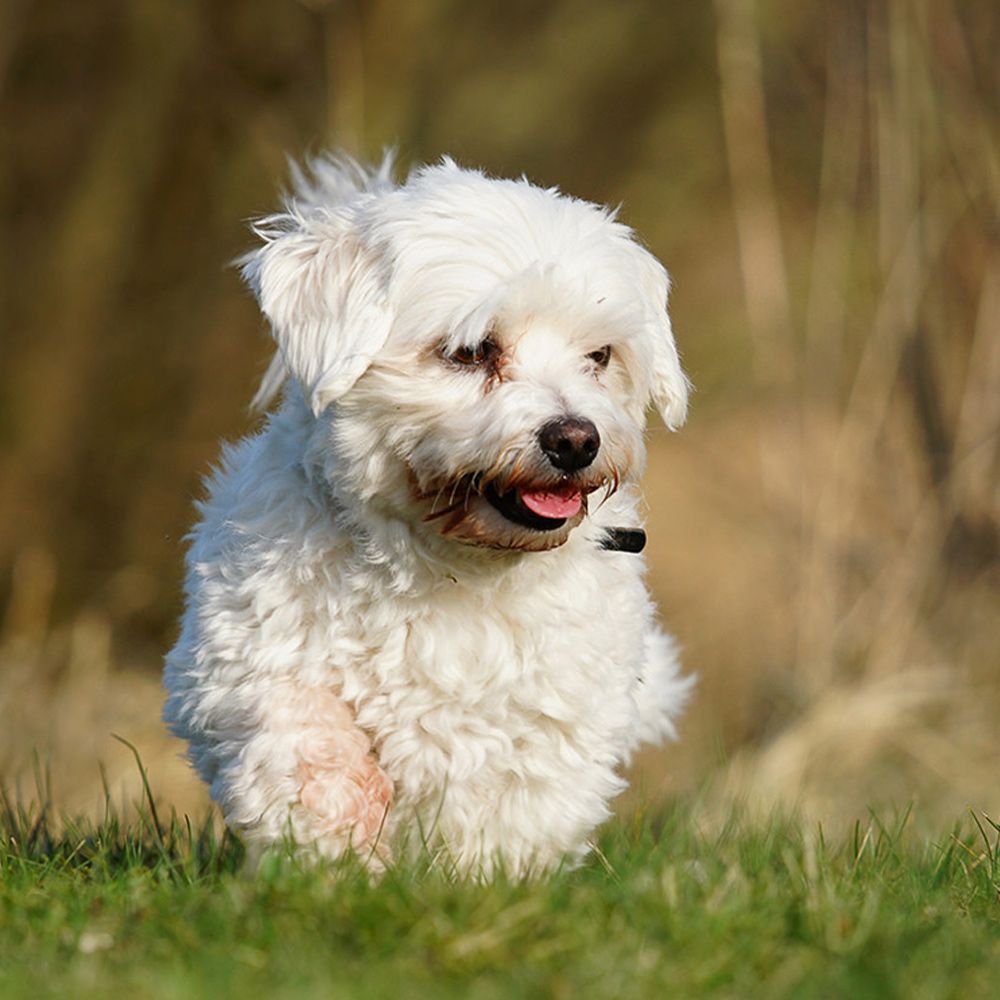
<point>570,443</point>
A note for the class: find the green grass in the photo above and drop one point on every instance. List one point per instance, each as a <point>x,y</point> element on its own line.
<point>161,909</point>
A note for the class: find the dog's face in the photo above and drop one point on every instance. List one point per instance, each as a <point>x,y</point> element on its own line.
<point>478,353</point>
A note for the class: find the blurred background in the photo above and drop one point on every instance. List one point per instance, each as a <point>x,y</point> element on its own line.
<point>822,179</point>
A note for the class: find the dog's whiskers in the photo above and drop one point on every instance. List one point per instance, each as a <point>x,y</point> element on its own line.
<point>437,496</point>
<point>468,490</point>
<point>497,475</point>
<point>611,486</point>
<point>443,512</point>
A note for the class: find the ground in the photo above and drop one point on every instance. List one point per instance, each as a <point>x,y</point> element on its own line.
<point>161,908</point>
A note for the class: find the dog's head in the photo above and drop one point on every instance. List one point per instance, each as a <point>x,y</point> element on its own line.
<point>478,354</point>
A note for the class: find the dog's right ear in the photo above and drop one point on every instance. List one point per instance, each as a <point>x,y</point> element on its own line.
<point>324,294</point>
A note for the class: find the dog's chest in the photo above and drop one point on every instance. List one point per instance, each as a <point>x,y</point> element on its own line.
<point>490,687</point>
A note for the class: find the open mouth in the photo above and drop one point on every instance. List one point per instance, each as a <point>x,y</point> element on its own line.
<point>544,509</point>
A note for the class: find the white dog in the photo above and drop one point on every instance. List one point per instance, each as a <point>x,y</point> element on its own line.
<point>415,614</point>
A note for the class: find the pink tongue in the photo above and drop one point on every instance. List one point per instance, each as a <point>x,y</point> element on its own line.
<point>553,505</point>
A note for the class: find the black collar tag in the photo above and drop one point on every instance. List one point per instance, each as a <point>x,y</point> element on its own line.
<point>624,539</point>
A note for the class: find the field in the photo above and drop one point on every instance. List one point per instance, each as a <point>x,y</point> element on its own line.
<point>822,180</point>
<point>751,909</point>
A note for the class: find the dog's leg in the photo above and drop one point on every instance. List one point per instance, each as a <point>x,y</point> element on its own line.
<point>304,772</point>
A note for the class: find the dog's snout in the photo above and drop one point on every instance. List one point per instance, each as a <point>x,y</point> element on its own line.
<point>570,443</point>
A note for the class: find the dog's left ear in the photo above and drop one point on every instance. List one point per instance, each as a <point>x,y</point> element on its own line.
<point>669,385</point>
<point>324,294</point>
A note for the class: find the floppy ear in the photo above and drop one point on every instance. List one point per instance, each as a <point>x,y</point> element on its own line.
<point>669,385</point>
<point>324,294</point>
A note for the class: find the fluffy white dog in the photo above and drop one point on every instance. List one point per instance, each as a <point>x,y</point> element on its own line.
<point>415,614</point>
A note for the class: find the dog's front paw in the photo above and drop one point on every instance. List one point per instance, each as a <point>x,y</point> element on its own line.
<point>343,792</point>
<point>323,787</point>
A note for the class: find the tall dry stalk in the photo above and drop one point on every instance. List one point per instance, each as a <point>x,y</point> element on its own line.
<point>345,74</point>
<point>755,209</point>
<point>901,463</point>
<point>88,256</point>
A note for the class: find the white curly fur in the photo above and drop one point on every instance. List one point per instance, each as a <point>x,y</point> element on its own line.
<point>373,655</point>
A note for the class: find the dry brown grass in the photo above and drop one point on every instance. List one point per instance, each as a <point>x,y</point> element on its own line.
<point>885,493</point>
<point>822,179</point>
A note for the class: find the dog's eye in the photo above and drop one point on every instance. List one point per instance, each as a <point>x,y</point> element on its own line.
<point>601,357</point>
<point>475,355</point>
